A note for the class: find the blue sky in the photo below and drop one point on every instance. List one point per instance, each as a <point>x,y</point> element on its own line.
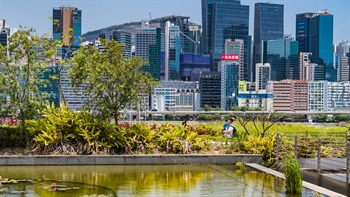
<point>102,13</point>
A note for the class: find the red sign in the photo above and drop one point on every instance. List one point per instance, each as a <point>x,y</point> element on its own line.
<point>229,57</point>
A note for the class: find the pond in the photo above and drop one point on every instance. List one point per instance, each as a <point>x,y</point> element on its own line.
<point>139,180</point>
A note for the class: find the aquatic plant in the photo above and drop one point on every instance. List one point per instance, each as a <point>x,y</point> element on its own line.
<point>293,174</point>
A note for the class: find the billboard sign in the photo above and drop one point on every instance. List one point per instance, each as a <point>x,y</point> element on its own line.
<point>226,57</point>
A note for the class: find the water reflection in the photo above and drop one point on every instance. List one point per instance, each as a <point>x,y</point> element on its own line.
<point>152,180</point>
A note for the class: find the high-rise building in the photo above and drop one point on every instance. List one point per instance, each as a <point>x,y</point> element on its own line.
<point>268,25</point>
<point>221,20</point>
<point>342,61</point>
<point>4,33</point>
<point>314,31</point>
<point>309,71</point>
<point>343,69</point>
<point>229,84</point>
<point>236,47</point>
<point>153,66</point>
<point>263,75</point>
<point>148,46</point>
<point>124,38</point>
<point>304,62</point>
<point>282,54</point>
<point>144,38</point>
<point>67,21</point>
<point>172,52</point>
<point>186,39</point>
<point>210,89</point>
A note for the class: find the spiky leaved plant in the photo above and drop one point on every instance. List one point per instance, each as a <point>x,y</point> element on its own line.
<point>293,174</point>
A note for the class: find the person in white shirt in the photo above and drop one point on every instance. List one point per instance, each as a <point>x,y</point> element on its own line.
<point>230,129</point>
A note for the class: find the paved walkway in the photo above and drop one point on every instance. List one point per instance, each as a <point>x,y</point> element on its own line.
<point>325,163</point>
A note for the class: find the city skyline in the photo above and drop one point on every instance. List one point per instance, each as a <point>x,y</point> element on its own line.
<point>106,13</point>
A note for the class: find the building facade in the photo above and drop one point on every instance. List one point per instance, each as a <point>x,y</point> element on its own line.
<point>229,84</point>
<point>172,52</point>
<point>282,54</point>
<point>4,33</point>
<point>191,65</point>
<point>314,31</point>
<point>210,89</point>
<point>236,47</point>
<point>263,76</point>
<point>268,25</point>
<point>290,95</point>
<point>67,21</point>
<point>176,96</point>
<point>225,19</point>
<point>259,99</point>
<point>317,96</point>
<point>124,38</point>
<point>338,96</point>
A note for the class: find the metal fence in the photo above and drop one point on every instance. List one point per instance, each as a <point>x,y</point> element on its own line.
<point>324,159</point>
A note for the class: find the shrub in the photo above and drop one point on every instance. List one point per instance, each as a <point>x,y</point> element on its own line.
<point>11,137</point>
<point>293,174</point>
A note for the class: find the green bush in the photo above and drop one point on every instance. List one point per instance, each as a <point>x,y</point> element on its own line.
<point>64,131</point>
<point>11,137</point>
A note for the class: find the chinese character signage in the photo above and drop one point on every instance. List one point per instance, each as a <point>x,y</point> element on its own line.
<point>229,57</point>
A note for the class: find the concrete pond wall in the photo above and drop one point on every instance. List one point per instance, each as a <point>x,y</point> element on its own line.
<point>44,160</point>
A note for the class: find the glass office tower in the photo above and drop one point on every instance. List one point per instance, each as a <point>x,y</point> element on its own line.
<point>282,54</point>
<point>67,21</point>
<point>314,32</point>
<point>224,19</point>
<point>268,25</point>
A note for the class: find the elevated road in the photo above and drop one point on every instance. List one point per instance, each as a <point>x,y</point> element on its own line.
<point>234,112</point>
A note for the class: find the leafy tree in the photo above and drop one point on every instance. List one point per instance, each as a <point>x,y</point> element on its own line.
<point>22,62</point>
<point>341,118</point>
<point>321,117</point>
<point>112,82</point>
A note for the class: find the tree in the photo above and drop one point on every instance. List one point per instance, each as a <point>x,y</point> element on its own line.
<point>112,82</point>
<point>22,63</point>
<point>321,117</point>
<point>63,50</point>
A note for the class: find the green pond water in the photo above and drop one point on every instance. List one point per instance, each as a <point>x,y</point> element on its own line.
<point>135,180</point>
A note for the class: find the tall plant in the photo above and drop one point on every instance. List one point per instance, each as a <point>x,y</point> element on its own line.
<point>293,174</point>
<point>112,81</point>
<point>22,63</point>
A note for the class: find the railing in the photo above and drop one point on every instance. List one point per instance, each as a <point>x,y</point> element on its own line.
<point>324,158</point>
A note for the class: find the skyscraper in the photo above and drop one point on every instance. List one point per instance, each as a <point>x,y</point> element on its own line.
<point>314,31</point>
<point>124,38</point>
<point>224,19</point>
<point>229,84</point>
<point>263,75</point>
<point>268,25</point>
<point>4,33</point>
<point>236,47</point>
<point>302,31</point>
<point>67,21</point>
<point>282,54</point>
<point>172,52</point>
